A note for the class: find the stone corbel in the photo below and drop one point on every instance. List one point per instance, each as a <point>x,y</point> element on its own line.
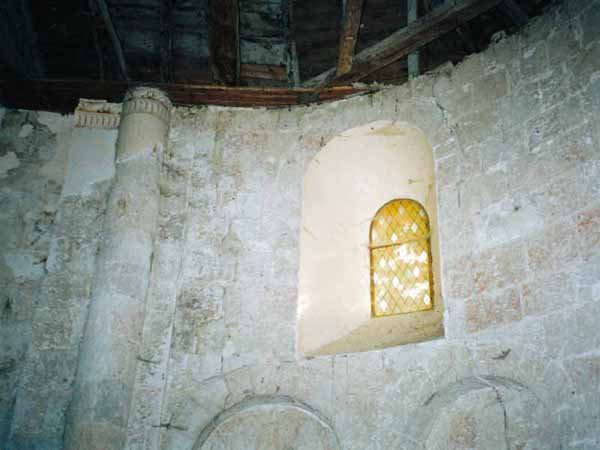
<point>97,114</point>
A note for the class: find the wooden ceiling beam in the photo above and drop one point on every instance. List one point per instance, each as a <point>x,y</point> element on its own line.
<point>406,40</point>
<point>224,41</point>
<point>63,95</point>
<point>114,37</point>
<point>292,61</point>
<point>514,12</point>
<point>349,35</point>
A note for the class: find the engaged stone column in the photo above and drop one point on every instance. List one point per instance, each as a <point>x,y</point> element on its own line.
<point>109,350</point>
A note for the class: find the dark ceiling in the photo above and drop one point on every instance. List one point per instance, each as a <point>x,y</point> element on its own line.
<point>278,43</point>
<point>72,41</point>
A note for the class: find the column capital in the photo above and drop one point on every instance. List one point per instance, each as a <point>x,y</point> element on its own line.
<point>97,114</point>
<point>148,101</point>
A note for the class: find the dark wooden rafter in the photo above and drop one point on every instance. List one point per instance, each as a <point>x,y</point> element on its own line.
<point>166,40</point>
<point>514,12</point>
<point>114,37</point>
<point>401,43</point>
<point>414,58</point>
<point>289,24</point>
<point>63,95</point>
<point>224,41</point>
<point>349,35</point>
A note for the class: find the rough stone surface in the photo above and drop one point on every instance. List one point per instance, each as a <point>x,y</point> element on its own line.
<point>48,246</point>
<point>516,139</point>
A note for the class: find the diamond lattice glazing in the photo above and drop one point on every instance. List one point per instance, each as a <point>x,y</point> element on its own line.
<point>401,280</point>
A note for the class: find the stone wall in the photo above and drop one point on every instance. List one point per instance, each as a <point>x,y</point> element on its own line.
<point>48,242</point>
<point>31,160</point>
<point>517,147</point>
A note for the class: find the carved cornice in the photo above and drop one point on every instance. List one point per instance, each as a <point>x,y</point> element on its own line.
<point>97,114</point>
<point>148,101</point>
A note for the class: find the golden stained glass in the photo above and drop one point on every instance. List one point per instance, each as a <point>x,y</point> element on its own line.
<point>401,278</point>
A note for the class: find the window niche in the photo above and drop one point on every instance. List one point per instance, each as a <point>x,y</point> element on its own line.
<point>364,175</point>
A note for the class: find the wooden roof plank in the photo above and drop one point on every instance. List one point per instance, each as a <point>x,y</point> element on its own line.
<point>406,40</point>
<point>349,35</point>
<point>63,95</point>
<point>224,40</point>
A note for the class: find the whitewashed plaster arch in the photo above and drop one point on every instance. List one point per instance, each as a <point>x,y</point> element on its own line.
<point>345,185</point>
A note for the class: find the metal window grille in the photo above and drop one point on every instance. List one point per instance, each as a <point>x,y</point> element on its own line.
<point>400,247</point>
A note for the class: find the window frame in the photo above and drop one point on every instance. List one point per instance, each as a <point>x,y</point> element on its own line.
<point>372,270</point>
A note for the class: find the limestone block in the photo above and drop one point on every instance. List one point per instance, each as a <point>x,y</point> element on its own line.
<point>591,101</point>
<point>471,68</point>
<point>97,436</point>
<point>25,265</point>
<point>456,239</point>
<point>524,102</point>
<point>543,128</point>
<point>484,311</point>
<point>553,250</point>
<point>588,22</point>
<point>145,409</point>
<point>534,60</point>
<point>458,277</point>
<point>588,232</point>
<point>499,267</point>
<point>190,410</point>
<point>509,219</point>
<point>548,293</point>
<point>481,191</point>
<point>476,126</point>
<point>8,162</point>
<point>584,66</point>
<point>448,171</point>
<point>587,274</point>
<point>452,99</point>
<point>571,331</point>
<point>554,85</point>
<point>562,192</point>
<point>490,87</point>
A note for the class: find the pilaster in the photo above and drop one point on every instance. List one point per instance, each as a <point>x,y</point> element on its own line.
<point>110,347</point>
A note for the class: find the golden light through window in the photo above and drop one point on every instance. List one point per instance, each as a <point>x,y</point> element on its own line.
<point>400,247</point>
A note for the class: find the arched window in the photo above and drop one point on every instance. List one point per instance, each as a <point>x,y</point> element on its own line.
<point>400,247</point>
